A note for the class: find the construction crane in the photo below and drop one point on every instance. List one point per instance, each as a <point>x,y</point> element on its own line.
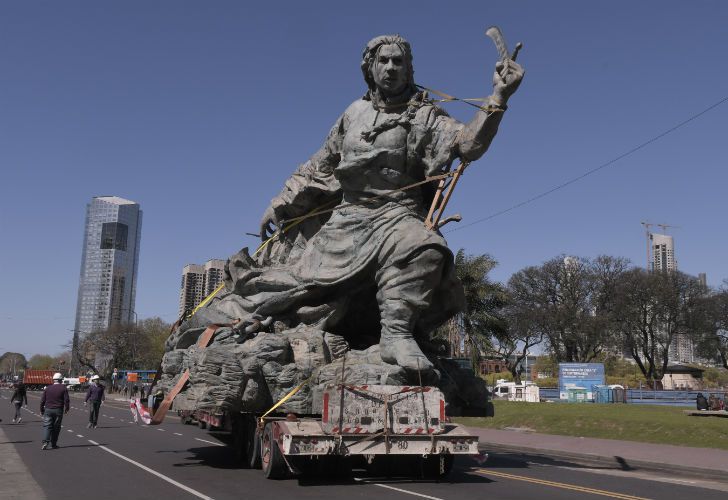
<point>665,226</point>
<point>647,236</point>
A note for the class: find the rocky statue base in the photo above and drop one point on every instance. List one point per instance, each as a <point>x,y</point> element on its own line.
<point>251,376</point>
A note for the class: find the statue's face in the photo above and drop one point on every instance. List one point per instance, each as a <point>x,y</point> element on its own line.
<point>390,70</point>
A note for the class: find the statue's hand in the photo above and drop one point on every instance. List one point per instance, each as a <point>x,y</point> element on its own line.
<point>269,224</point>
<point>506,79</point>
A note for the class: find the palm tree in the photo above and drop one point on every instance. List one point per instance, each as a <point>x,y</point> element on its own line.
<point>485,299</point>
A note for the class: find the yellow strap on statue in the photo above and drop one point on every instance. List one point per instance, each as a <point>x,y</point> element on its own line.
<point>286,397</point>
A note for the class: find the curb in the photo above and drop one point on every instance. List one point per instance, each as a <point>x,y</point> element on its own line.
<point>620,463</point>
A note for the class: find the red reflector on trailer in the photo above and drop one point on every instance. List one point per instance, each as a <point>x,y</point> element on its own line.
<point>325,413</point>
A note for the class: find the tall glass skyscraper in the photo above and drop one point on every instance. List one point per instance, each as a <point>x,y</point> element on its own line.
<point>107,286</point>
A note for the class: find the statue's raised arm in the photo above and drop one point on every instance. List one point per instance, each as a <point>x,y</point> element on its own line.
<point>476,136</point>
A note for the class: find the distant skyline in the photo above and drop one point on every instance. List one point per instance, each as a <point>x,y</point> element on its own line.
<point>200,112</point>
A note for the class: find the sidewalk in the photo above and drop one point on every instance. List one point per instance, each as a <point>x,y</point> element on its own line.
<point>621,454</point>
<point>15,479</point>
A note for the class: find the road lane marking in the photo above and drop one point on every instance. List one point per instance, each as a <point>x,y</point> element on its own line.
<point>573,487</point>
<point>211,442</point>
<point>79,435</point>
<point>151,471</point>
<point>160,430</point>
<point>421,495</point>
<point>69,430</point>
<point>177,434</point>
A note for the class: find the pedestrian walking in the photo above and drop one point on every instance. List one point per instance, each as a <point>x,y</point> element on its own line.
<point>19,398</point>
<point>53,405</point>
<point>94,395</point>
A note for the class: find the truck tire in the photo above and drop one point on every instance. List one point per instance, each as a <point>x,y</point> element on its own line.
<point>201,424</point>
<point>273,464</point>
<point>436,466</point>
<point>253,447</point>
<point>246,442</point>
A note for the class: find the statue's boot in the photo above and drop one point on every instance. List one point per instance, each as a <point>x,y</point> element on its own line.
<point>405,291</point>
<point>404,351</point>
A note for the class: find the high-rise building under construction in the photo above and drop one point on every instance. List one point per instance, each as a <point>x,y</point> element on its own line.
<point>663,252</point>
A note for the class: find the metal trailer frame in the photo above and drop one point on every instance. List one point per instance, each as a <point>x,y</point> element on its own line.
<point>292,445</point>
<point>306,437</point>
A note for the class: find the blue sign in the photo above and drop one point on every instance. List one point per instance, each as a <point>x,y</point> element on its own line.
<point>579,377</point>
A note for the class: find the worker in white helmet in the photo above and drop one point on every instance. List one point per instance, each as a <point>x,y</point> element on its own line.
<point>53,405</point>
<point>95,395</point>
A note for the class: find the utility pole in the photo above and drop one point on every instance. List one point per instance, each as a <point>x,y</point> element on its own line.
<point>74,368</point>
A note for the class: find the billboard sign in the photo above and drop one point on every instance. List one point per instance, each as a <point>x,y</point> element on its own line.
<point>580,376</point>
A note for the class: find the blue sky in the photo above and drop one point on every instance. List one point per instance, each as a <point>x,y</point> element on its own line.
<point>199,111</point>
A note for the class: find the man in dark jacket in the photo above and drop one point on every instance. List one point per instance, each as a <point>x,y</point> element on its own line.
<point>95,395</point>
<point>19,398</point>
<point>53,405</point>
<point>701,402</point>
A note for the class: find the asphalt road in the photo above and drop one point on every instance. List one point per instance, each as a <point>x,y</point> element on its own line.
<point>120,459</point>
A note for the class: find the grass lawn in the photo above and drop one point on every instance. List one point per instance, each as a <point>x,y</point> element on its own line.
<point>629,422</point>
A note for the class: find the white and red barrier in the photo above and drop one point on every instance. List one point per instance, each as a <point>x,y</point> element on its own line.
<point>139,411</point>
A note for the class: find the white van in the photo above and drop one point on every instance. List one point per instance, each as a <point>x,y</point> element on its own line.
<point>525,391</point>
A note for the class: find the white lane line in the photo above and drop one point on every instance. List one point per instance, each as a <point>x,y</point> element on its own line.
<point>211,442</point>
<point>160,430</point>
<point>79,435</point>
<point>110,417</point>
<point>144,467</point>
<point>69,430</point>
<point>397,489</point>
<point>177,434</point>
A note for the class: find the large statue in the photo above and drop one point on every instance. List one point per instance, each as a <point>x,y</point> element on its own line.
<point>351,255</point>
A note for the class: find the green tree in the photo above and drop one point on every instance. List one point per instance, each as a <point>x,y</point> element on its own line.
<point>570,301</point>
<point>130,346</point>
<point>42,362</point>
<point>11,363</point>
<point>155,331</point>
<point>713,326</point>
<point>653,307</point>
<point>484,301</point>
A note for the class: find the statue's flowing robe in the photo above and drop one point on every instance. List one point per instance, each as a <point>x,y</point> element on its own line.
<point>315,266</point>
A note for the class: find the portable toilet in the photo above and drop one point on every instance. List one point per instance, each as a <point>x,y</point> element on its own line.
<point>577,394</point>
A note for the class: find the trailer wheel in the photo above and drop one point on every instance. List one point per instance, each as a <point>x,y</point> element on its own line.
<point>201,424</point>
<point>246,441</point>
<point>436,466</point>
<point>273,464</point>
<point>252,444</point>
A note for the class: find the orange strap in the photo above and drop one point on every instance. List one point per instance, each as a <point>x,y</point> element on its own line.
<point>203,342</point>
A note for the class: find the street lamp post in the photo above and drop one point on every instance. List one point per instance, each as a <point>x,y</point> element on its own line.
<point>121,309</point>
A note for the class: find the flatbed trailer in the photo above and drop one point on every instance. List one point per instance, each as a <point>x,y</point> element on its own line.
<point>382,427</point>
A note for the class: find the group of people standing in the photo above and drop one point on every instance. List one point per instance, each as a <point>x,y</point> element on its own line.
<point>55,403</point>
<point>712,403</point>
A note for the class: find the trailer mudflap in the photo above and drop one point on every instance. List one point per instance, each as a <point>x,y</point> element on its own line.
<point>307,437</point>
